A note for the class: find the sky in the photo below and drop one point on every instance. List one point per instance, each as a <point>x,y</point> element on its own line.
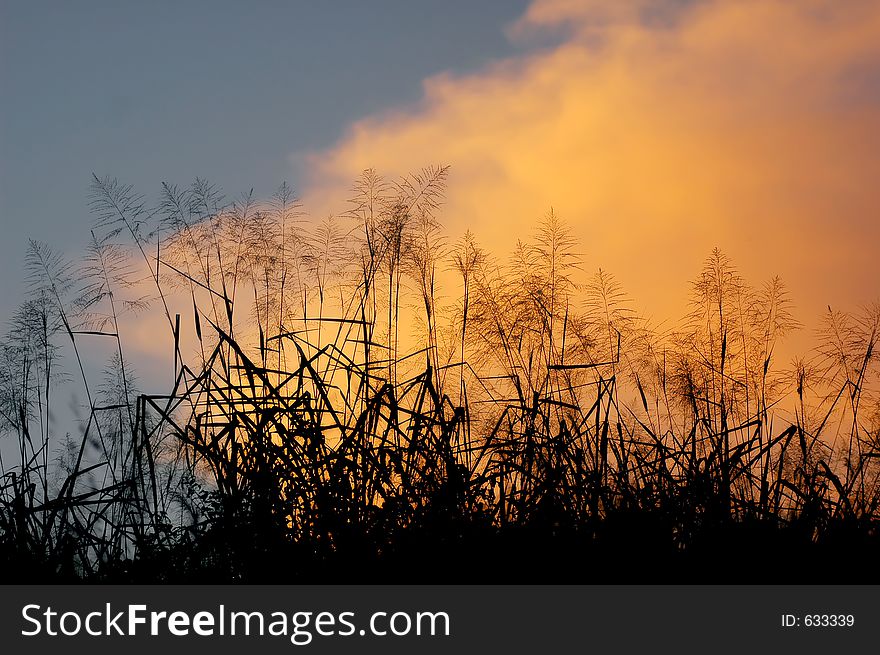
<point>659,130</point>
<point>229,91</point>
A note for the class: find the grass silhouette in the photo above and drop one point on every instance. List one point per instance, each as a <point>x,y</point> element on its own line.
<point>532,429</point>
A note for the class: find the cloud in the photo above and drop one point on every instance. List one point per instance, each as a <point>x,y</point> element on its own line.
<point>660,130</point>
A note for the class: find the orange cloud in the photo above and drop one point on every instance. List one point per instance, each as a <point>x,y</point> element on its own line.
<point>660,130</point>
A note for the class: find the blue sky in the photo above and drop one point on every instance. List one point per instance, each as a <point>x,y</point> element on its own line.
<point>166,91</point>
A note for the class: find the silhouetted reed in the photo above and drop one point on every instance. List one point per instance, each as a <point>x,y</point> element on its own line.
<point>334,417</point>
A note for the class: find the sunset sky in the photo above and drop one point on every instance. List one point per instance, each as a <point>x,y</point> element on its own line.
<point>658,130</point>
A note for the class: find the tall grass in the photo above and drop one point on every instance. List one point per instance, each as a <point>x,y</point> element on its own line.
<point>359,398</point>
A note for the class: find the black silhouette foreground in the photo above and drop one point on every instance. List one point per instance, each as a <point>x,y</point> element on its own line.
<point>532,429</point>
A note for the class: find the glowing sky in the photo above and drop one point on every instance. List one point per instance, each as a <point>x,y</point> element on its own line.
<point>659,130</point>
